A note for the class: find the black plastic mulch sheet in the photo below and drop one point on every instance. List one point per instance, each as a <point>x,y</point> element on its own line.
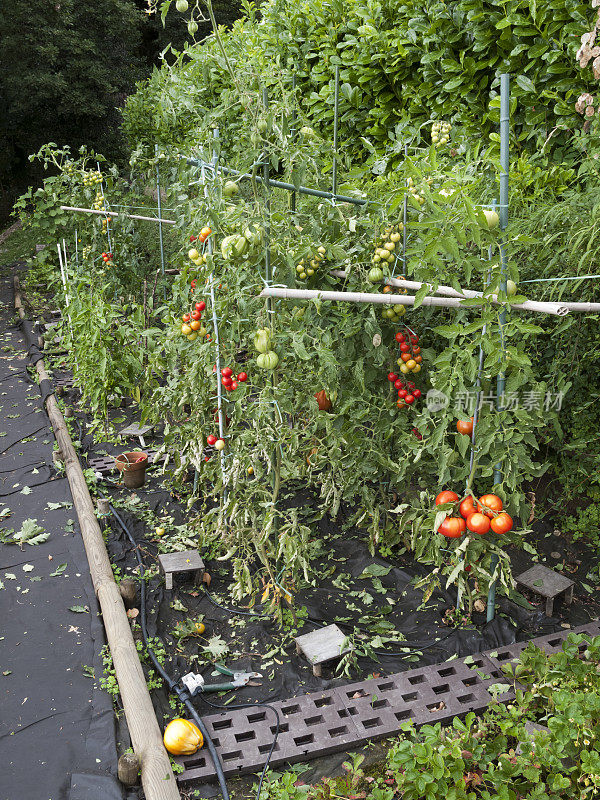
<point>57,728</point>
<point>352,589</point>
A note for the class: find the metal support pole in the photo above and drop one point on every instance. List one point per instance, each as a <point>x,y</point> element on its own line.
<point>500,381</point>
<point>294,121</point>
<point>404,221</point>
<point>160,230</point>
<point>336,110</point>
<point>106,217</point>
<point>339,198</point>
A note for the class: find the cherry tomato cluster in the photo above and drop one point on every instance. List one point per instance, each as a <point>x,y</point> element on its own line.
<point>407,391</point>
<point>214,441</point>
<point>410,352</point>
<point>393,311</point>
<point>192,326</point>
<point>478,516</point>
<point>229,380</point>
<point>202,236</point>
<point>306,267</point>
<point>194,255</point>
<point>108,259</point>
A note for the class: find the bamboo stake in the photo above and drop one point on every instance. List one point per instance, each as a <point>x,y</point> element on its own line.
<point>157,776</point>
<point>379,299</point>
<point>118,214</point>
<point>555,309</point>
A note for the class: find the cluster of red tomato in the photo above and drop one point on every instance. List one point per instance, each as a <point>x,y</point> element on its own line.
<point>407,392</point>
<point>480,518</point>
<point>410,352</point>
<point>107,258</point>
<point>229,379</point>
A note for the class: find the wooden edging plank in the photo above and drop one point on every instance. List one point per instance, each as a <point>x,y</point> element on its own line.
<point>158,780</point>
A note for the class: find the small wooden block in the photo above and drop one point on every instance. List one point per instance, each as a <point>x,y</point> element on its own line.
<point>322,645</point>
<point>185,561</point>
<point>136,430</point>
<point>548,584</point>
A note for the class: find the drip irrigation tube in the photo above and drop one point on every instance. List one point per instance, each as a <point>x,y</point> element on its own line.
<point>172,684</point>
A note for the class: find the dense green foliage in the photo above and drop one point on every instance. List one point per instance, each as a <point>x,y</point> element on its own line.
<point>403,62</point>
<point>387,462</point>
<point>496,756</point>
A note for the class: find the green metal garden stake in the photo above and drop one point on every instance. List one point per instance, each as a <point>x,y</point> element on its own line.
<point>336,109</point>
<point>160,230</point>
<point>294,120</point>
<point>500,382</point>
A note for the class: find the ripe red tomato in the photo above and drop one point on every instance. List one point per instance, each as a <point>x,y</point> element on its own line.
<point>404,348</point>
<point>186,318</point>
<point>493,502</point>
<point>465,426</point>
<point>416,350</point>
<point>402,392</point>
<point>195,315</point>
<point>226,381</point>
<point>234,385</point>
<point>502,523</point>
<point>452,527</point>
<point>192,238</point>
<point>467,507</point>
<point>410,399</point>
<point>414,339</point>
<point>399,384</point>
<point>243,377</point>
<point>406,357</point>
<point>227,372</point>
<point>400,337</point>
<point>193,285</point>
<point>211,439</point>
<point>392,377</point>
<point>200,306</point>
<point>418,359</point>
<point>400,403</point>
<point>410,384</point>
<point>417,393</point>
<point>478,523</point>
<point>447,496</point>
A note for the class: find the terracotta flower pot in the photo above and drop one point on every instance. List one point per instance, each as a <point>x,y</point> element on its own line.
<point>132,467</point>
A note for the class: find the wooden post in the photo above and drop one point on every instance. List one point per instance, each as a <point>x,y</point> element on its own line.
<point>158,780</point>
<point>128,769</point>
<point>128,589</point>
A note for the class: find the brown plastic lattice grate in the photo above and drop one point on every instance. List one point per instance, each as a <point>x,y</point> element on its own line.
<point>338,719</point>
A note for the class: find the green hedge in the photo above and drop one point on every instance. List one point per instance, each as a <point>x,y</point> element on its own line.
<point>403,62</point>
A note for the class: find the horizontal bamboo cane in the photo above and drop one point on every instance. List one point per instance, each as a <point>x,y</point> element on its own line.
<point>157,776</point>
<point>118,214</point>
<point>377,299</point>
<point>555,309</point>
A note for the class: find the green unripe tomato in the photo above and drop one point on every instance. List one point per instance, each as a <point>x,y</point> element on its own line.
<point>375,275</point>
<point>492,218</point>
<point>181,6</point>
<point>231,189</point>
<point>262,340</point>
<point>268,360</point>
<point>511,288</point>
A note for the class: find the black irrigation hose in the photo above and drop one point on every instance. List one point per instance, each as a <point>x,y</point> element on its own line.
<point>171,683</point>
<point>278,723</point>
